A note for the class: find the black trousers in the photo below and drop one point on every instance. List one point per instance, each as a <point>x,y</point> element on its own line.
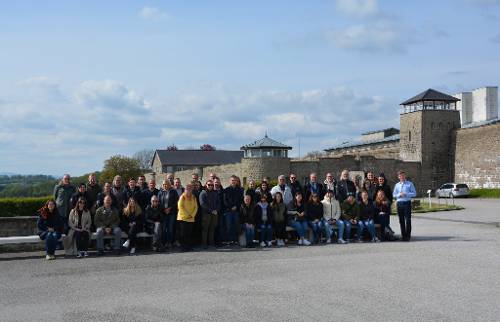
<point>404,214</point>
<point>186,234</point>
<point>82,240</point>
<point>280,230</point>
<point>132,235</point>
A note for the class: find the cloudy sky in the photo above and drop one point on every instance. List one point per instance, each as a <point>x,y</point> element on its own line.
<point>80,82</point>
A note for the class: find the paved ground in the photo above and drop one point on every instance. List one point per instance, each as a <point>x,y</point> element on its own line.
<point>450,272</point>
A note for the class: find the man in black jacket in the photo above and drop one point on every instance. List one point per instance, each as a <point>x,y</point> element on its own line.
<point>233,198</point>
<point>295,185</point>
<point>314,186</point>
<point>147,193</point>
<point>345,187</point>
<point>132,191</point>
<point>168,199</point>
<point>81,193</point>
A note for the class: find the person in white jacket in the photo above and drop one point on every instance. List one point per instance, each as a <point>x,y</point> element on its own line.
<point>285,190</point>
<point>331,214</point>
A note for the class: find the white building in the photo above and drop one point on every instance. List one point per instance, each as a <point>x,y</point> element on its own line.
<point>479,105</point>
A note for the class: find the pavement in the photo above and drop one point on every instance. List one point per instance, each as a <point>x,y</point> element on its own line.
<point>448,272</point>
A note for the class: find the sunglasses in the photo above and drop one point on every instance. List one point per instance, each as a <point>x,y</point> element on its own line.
<point>210,185</point>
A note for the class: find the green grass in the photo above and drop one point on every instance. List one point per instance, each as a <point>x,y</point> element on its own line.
<point>485,193</point>
<point>424,207</point>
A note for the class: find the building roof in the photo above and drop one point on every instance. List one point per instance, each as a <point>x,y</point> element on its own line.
<point>266,142</point>
<point>352,144</point>
<point>482,123</point>
<point>198,157</point>
<point>378,131</point>
<point>430,95</point>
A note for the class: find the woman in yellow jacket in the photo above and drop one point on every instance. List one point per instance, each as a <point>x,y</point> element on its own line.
<point>188,207</point>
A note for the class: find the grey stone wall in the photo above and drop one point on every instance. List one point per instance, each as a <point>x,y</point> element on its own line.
<point>477,156</point>
<point>379,150</point>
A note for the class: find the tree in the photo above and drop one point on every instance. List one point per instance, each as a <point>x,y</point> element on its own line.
<point>172,147</point>
<point>144,157</point>
<point>120,165</point>
<point>207,147</point>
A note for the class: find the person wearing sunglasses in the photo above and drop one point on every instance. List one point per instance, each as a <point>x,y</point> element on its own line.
<point>210,209</point>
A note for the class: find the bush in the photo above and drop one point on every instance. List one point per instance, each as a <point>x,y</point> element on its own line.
<point>485,193</point>
<point>12,207</point>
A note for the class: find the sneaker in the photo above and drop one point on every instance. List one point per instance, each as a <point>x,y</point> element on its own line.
<point>126,243</point>
<point>375,240</point>
<point>262,244</point>
<point>280,242</point>
<point>48,257</point>
<point>329,241</point>
<point>269,244</point>
<point>132,251</point>
<point>52,257</point>
<point>306,242</point>
<point>341,241</point>
<point>301,242</point>
<point>85,254</point>
<point>79,255</point>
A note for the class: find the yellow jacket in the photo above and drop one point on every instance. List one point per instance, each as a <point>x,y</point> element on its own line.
<point>188,207</point>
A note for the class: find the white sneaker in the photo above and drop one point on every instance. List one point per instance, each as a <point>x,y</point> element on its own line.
<point>132,251</point>
<point>79,255</point>
<point>375,240</point>
<point>262,244</point>
<point>306,242</point>
<point>341,241</point>
<point>281,242</point>
<point>85,254</point>
<point>126,243</point>
<point>269,244</point>
<point>301,242</point>
<point>329,241</point>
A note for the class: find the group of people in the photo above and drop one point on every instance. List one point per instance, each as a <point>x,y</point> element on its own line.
<point>210,215</point>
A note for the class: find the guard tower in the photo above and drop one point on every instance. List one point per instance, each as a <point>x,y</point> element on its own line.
<point>265,157</point>
<point>427,121</point>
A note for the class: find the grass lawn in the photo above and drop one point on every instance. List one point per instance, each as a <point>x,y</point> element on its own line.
<point>425,207</point>
<point>485,193</point>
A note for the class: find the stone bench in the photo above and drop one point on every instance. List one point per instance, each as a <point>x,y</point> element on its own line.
<point>36,239</point>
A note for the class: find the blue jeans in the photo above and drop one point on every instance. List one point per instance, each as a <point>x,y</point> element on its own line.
<point>369,225</point>
<point>249,233</point>
<point>316,228</point>
<point>169,228</point>
<point>328,229</point>
<point>231,218</point>
<point>266,232</point>
<point>51,239</point>
<point>117,237</point>
<point>344,225</point>
<point>300,227</point>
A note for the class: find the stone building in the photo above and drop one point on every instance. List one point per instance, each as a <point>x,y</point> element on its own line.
<point>431,146</point>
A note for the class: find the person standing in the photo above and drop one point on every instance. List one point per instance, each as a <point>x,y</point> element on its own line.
<point>251,190</point>
<point>284,189</point>
<point>168,199</point>
<point>330,184</point>
<point>295,184</point>
<point>233,198</point>
<point>50,227</point>
<point>345,187</point>
<point>93,190</point>
<point>404,191</point>
<point>77,240</point>
<point>188,207</point>
<point>210,205</point>
<point>81,193</point>
<point>62,195</point>
<point>313,186</point>
<point>118,190</point>
<point>147,193</point>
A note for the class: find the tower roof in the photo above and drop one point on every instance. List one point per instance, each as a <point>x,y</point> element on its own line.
<point>430,95</point>
<point>266,142</point>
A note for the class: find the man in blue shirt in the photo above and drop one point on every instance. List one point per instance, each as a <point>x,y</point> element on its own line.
<point>403,192</point>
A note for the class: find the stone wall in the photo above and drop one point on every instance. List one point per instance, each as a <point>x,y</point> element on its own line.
<point>379,150</point>
<point>477,156</point>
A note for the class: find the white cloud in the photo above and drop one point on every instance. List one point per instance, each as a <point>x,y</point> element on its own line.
<point>382,35</point>
<point>152,14</point>
<point>109,93</point>
<point>358,8</point>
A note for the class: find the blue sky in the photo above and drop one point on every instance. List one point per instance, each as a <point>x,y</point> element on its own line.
<point>81,81</point>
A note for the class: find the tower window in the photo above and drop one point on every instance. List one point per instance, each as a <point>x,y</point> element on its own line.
<point>409,135</point>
